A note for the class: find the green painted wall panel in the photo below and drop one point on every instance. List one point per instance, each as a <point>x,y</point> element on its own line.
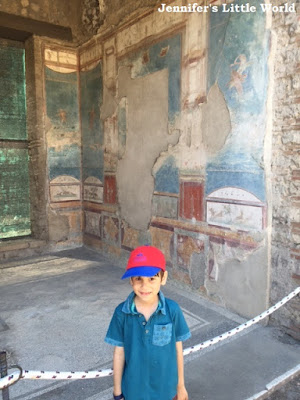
<point>14,193</point>
<point>12,94</point>
<point>14,174</point>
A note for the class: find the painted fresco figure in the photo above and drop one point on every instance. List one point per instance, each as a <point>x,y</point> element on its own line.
<point>237,75</point>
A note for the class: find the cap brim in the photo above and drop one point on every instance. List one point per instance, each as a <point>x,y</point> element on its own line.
<point>141,271</point>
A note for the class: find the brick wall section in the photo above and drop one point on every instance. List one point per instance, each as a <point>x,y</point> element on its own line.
<point>285,272</point>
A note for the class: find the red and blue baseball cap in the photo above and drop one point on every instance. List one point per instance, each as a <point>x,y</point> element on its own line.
<point>145,261</point>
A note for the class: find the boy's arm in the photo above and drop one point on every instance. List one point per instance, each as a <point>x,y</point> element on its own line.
<point>118,365</point>
<point>181,390</point>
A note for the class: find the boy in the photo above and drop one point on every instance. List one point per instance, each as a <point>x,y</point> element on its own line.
<point>147,331</point>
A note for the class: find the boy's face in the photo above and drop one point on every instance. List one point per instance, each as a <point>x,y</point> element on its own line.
<point>147,288</point>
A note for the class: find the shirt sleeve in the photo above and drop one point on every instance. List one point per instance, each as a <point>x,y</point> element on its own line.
<point>182,331</point>
<point>115,333</point>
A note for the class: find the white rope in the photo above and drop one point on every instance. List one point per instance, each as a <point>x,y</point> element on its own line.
<point>67,375</point>
<point>55,375</point>
<point>240,328</point>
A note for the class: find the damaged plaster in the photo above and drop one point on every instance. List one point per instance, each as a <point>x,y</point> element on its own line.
<point>203,132</point>
<point>236,276</point>
<point>147,137</point>
<point>216,124</point>
<point>58,227</point>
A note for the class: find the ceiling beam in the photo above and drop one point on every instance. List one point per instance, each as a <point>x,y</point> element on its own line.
<point>14,27</point>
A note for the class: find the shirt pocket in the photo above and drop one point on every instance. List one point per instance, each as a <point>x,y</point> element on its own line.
<point>162,334</point>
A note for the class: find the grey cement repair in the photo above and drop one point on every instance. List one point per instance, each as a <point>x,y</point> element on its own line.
<point>144,143</point>
<point>240,279</point>
<point>55,311</point>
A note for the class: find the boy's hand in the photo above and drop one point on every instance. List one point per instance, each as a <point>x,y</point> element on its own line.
<point>182,394</point>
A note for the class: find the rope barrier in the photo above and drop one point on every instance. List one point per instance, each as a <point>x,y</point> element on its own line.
<point>240,328</point>
<point>56,375</point>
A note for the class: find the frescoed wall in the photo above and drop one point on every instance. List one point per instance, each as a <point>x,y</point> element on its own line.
<point>63,145</point>
<point>62,111</point>
<point>91,125</point>
<point>167,177</point>
<point>189,109</point>
<point>237,63</point>
<point>92,131</point>
<point>156,135</point>
<point>62,99</point>
<point>235,179</point>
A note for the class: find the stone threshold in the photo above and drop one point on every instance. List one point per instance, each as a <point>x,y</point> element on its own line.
<point>10,248</point>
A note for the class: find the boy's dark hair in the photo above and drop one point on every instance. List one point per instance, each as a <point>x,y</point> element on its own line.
<point>160,274</point>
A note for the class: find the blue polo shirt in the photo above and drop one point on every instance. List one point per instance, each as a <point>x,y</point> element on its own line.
<point>150,371</point>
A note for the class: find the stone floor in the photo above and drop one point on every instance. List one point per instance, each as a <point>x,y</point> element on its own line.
<point>55,310</point>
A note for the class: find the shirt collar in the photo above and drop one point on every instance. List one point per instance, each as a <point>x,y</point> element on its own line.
<point>129,306</point>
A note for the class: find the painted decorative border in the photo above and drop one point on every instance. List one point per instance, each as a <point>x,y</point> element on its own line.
<point>232,207</point>
<point>93,190</point>
<point>60,60</point>
<point>64,188</point>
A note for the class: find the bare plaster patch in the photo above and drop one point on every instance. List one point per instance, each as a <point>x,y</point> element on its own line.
<point>240,278</point>
<point>58,227</point>
<point>147,137</point>
<point>189,152</point>
<point>216,123</point>
<point>109,103</point>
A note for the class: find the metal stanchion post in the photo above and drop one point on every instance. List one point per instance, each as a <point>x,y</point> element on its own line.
<point>3,373</point>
